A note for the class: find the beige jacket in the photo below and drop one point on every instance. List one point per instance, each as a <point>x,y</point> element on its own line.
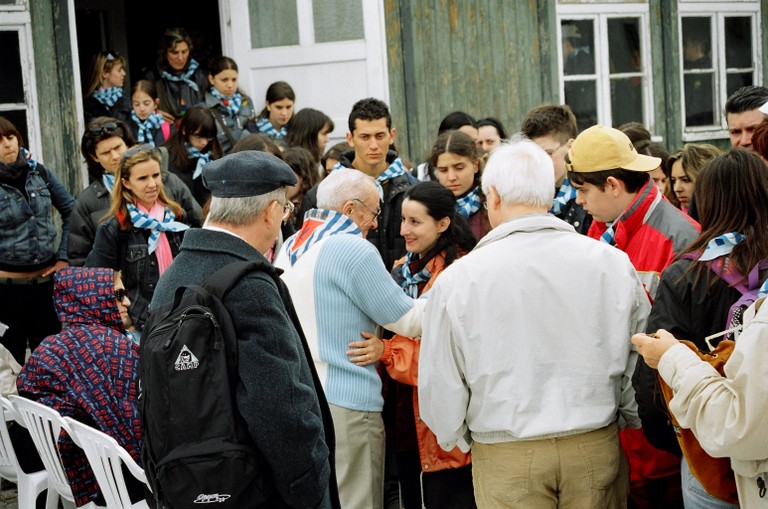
<point>728,415</point>
<point>9,370</point>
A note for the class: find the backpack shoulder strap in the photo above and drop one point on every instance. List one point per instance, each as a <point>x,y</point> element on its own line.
<point>223,125</point>
<point>221,281</point>
<point>163,158</point>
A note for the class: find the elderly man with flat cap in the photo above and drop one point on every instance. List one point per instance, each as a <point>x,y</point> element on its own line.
<point>279,393</point>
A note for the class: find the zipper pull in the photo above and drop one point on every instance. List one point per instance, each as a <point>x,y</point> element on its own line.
<point>761,487</point>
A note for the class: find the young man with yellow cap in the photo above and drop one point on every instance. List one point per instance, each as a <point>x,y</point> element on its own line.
<point>614,185</point>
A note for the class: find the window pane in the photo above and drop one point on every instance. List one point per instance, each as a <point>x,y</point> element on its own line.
<point>338,20</point>
<point>627,101</point>
<point>738,42</point>
<point>578,46</point>
<point>738,80</point>
<point>581,96</point>
<point>11,83</point>
<point>624,45</point>
<point>697,43</point>
<point>699,99</point>
<point>273,23</point>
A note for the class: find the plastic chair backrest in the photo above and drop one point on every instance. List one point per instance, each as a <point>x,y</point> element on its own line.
<point>45,425</point>
<point>9,465</point>
<point>106,457</point>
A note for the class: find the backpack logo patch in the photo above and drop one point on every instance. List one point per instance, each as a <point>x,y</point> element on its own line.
<point>186,360</point>
<point>213,498</point>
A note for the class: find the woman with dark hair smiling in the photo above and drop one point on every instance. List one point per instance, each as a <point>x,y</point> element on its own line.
<point>435,236</point>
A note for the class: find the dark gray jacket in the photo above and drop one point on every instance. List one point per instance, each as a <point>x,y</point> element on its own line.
<point>280,396</point>
<point>93,202</point>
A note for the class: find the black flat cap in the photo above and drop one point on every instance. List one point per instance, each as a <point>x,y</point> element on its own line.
<point>247,173</point>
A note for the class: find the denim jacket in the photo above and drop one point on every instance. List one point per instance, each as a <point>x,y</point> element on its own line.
<point>27,230</point>
<point>127,251</point>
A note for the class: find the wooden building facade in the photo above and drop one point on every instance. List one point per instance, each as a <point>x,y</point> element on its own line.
<point>669,64</point>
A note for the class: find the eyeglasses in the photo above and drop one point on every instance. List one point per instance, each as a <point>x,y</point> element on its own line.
<point>146,147</point>
<point>551,151</point>
<point>107,128</point>
<point>288,208</point>
<point>376,213</point>
<point>120,294</point>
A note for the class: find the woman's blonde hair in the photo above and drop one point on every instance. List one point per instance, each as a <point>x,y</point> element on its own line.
<point>121,195</point>
<point>102,62</point>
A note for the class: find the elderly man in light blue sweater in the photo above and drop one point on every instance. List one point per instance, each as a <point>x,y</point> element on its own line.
<point>340,287</point>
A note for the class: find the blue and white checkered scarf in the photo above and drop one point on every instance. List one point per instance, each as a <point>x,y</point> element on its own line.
<point>396,169</point>
<point>109,181</point>
<point>265,127</point>
<point>28,157</point>
<point>723,245</point>
<point>203,158</point>
<point>609,234</point>
<point>469,203</point>
<point>411,282</point>
<point>193,65</point>
<point>154,121</point>
<point>108,96</point>
<point>318,224</point>
<point>142,220</point>
<point>565,194</point>
<point>232,103</point>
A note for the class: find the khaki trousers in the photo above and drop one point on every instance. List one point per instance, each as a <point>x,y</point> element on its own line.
<point>359,458</point>
<point>586,471</point>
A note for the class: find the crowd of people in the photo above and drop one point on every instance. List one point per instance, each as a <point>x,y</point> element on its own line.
<point>488,328</point>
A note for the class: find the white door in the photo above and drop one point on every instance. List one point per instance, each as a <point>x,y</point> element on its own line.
<point>331,52</point>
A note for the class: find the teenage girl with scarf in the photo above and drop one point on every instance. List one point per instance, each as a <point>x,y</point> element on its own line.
<point>104,96</point>
<point>455,163</point>
<point>435,236</point>
<point>193,146</point>
<point>146,124</point>
<point>181,82</point>
<point>143,231</point>
<point>693,302</point>
<point>233,110</point>
<point>278,110</point>
<point>29,255</point>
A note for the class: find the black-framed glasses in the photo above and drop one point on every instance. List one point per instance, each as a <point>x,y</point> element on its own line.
<point>376,213</point>
<point>146,147</point>
<point>120,294</point>
<point>105,128</point>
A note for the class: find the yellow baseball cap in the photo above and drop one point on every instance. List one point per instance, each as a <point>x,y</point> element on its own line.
<point>601,148</point>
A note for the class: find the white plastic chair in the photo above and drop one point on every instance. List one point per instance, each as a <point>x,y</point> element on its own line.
<point>106,457</point>
<point>29,485</point>
<point>45,425</point>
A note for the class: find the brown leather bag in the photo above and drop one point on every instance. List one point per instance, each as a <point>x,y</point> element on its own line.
<point>714,474</point>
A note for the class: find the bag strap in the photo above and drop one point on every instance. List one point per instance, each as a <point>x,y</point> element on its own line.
<point>221,281</point>
<point>223,125</point>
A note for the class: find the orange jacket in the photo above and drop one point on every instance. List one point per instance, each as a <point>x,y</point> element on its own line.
<point>401,358</point>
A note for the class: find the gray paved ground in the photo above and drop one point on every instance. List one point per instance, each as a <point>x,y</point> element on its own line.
<point>8,496</point>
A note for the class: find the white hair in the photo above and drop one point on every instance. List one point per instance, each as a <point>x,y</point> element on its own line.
<point>242,211</point>
<point>343,185</point>
<point>521,173</point>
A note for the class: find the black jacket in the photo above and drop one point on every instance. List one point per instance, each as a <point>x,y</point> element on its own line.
<point>280,397</point>
<point>386,237</point>
<point>93,202</point>
<point>121,110</point>
<point>686,308</point>
<point>575,215</point>
<point>127,251</point>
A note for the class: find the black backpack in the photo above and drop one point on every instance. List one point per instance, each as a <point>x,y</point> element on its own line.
<point>197,449</point>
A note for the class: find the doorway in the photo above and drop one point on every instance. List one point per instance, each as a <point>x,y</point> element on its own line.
<point>133,29</point>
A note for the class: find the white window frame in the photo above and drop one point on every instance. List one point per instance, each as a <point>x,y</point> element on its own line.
<point>16,18</point>
<point>718,12</point>
<point>600,14</point>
